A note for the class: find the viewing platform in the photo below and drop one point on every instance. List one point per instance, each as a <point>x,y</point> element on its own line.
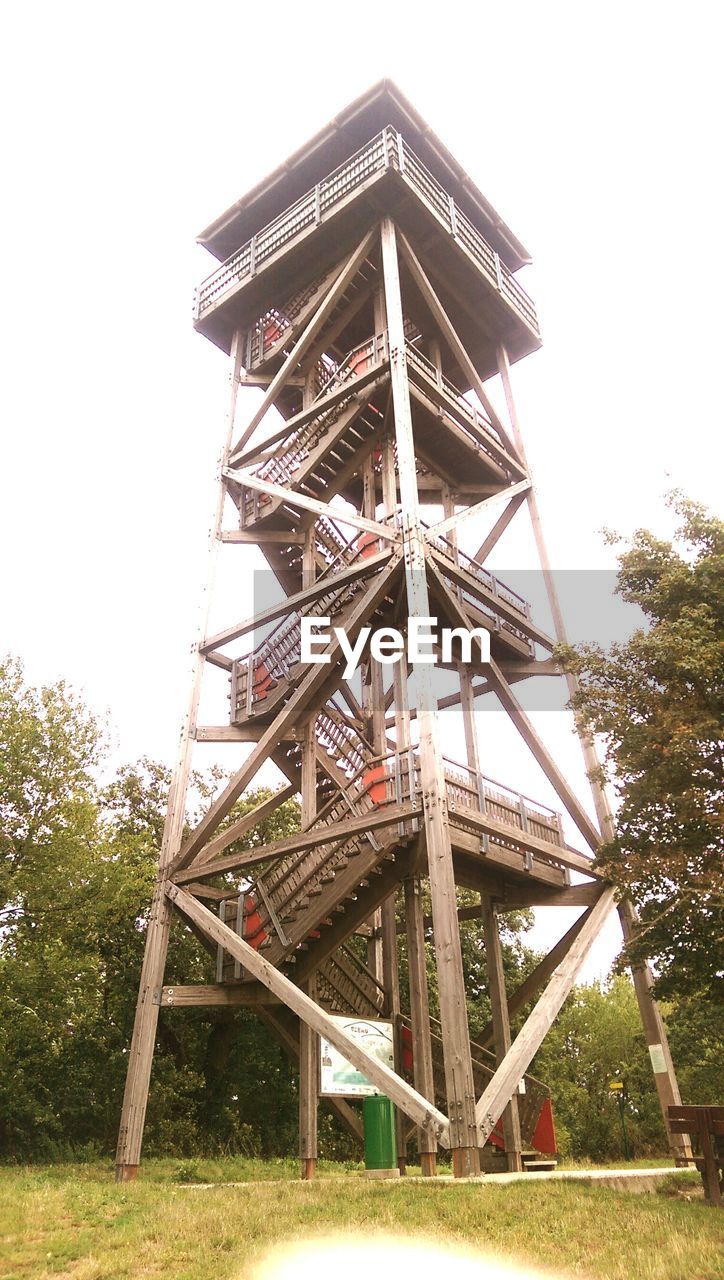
<point>316,229</point>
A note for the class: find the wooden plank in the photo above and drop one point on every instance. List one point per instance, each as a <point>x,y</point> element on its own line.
<point>500,1089</point>
<point>304,342</point>
<point>402,1094</point>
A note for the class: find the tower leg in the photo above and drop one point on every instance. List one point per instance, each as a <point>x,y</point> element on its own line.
<point>451,984</point>
<point>667,1085</point>
<point>140,1057</point>
<point>308,1094</point>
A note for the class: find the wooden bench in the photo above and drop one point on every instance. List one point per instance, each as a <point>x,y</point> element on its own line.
<point>706,1125</point>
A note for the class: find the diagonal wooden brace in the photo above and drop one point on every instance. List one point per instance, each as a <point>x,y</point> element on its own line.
<point>501,1087</point>
<point>300,348</point>
<point>424,1113</point>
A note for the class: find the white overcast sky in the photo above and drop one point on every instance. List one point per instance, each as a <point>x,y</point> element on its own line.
<point>596,130</point>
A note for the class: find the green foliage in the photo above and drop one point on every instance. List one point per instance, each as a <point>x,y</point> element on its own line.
<point>596,1038</point>
<point>78,869</point>
<point>657,701</point>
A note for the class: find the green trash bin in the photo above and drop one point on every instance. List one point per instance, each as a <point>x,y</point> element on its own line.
<point>378,1115</point>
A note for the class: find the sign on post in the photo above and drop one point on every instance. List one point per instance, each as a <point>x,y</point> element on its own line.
<point>339,1078</point>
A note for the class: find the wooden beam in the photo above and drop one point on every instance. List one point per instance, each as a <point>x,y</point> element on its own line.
<point>501,1026</point>
<point>358,392</point>
<point>540,848</point>
<point>240,828</point>
<point>666,1083</point>
<point>249,732</point>
<point>252,538</point>
<point>500,1089</point>
<point>296,602</point>
<point>463,578</point>
<point>455,520</point>
<point>542,972</point>
<point>390,1084</point>
<point>292,499</point>
<point>216,994</point>
<point>524,725</point>
<point>498,529</point>
<point>276,1023</point>
<point>304,342</point>
<point>319,835</point>
<point>420,1014</point>
<point>451,983</point>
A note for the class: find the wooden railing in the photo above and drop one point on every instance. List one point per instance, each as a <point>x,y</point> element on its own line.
<point>388,150</point>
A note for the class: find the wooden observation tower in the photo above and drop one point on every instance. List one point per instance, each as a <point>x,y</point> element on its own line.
<point>367,287</point>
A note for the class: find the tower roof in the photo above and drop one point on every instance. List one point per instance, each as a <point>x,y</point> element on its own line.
<point>383,104</point>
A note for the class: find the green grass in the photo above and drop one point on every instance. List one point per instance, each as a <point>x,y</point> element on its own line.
<point>74,1222</point>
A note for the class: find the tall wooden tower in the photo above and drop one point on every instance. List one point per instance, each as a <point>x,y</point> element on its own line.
<point>367,287</point>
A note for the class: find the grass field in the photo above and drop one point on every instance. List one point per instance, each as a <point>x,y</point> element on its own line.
<point>73,1221</point>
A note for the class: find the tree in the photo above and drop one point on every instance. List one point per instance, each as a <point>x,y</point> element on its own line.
<point>78,867</point>
<point>657,702</point>
<point>596,1038</point>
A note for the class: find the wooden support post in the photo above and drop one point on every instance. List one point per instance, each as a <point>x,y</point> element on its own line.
<point>453,1010</point>
<point>140,1055</point>
<point>664,1073</point>
<point>493,952</point>
<point>501,1026</point>
<point>308,1093</point>
<point>420,1016</point>
<point>535,980</point>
